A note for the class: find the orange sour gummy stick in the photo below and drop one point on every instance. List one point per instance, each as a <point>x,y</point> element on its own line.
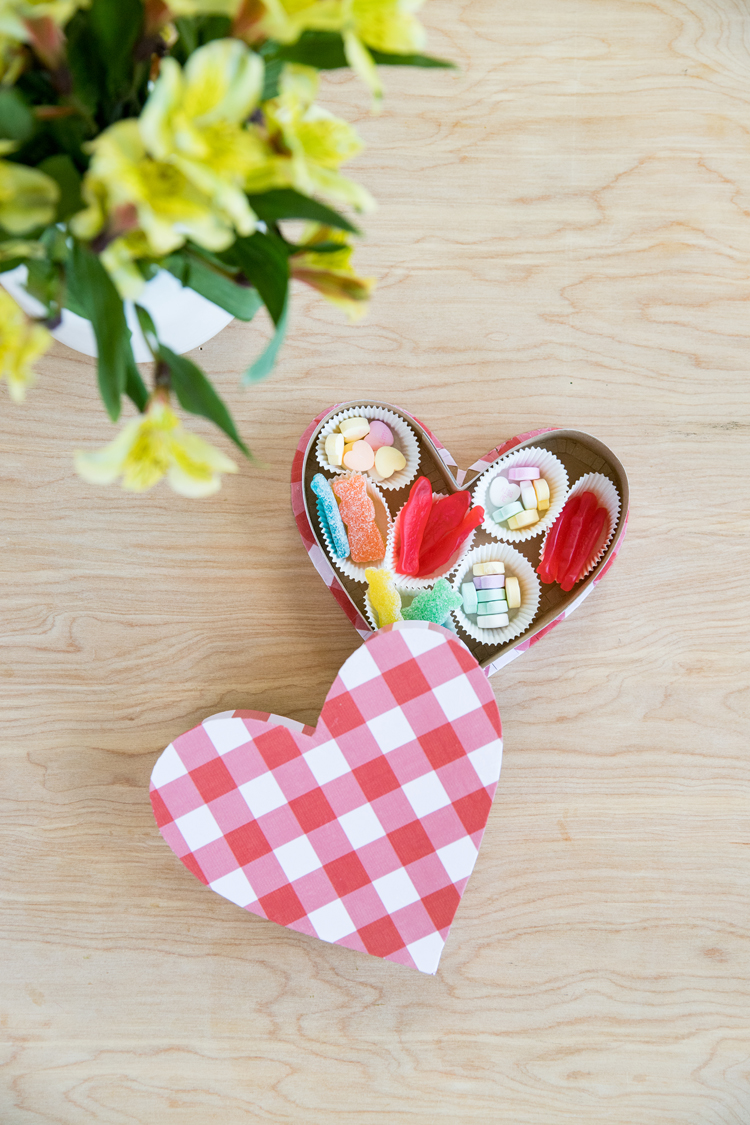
<point>358,513</point>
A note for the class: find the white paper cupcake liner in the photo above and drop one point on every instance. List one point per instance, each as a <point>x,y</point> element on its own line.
<point>404,439</point>
<point>383,520</point>
<point>553,472</point>
<point>608,498</point>
<point>531,591</point>
<point>406,581</point>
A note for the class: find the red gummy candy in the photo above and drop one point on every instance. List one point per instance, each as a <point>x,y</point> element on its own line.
<point>547,569</point>
<point>412,522</point>
<point>588,539</point>
<point>446,515</point>
<point>438,556</point>
<point>581,519</point>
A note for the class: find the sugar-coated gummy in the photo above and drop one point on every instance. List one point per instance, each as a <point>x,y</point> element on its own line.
<point>358,513</point>
<point>433,605</point>
<point>329,515</point>
<point>384,597</point>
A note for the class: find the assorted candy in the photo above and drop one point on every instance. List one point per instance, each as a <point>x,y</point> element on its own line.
<point>430,532</point>
<point>364,446</point>
<point>358,513</point>
<point>385,599</point>
<point>433,605</point>
<point>520,498</point>
<point>491,595</point>
<point>572,539</point>
<point>329,516</point>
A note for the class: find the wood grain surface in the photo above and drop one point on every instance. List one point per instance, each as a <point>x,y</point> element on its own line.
<point>563,238</point>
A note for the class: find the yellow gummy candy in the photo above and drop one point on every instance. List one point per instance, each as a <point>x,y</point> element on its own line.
<point>384,597</point>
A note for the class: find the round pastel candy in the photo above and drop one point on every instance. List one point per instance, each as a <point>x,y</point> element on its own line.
<point>493,621</point>
<point>506,512</point>
<point>388,460</point>
<point>524,472</point>
<point>488,608</point>
<point>489,595</point>
<point>541,488</point>
<point>491,567</point>
<point>513,592</point>
<point>528,495</point>
<point>354,429</point>
<point>469,594</point>
<point>523,519</point>
<point>335,449</point>
<point>503,491</point>
<point>490,582</point>
<point>379,434</point>
<point>360,457</point>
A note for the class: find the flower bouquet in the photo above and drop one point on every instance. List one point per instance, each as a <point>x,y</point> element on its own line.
<point>139,136</point>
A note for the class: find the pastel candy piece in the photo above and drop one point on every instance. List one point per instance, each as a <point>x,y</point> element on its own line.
<point>360,457</point>
<point>379,434</point>
<point>330,516</point>
<point>513,592</point>
<point>384,597</point>
<point>541,488</point>
<point>435,604</point>
<point>388,461</point>
<point>480,569</point>
<point>523,519</point>
<point>486,608</point>
<point>358,513</point>
<point>503,491</point>
<point>491,582</point>
<point>469,595</point>
<point>528,495</point>
<point>347,446</point>
<point>488,595</point>
<point>524,472</point>
<point>493,621</point>
<point>509,510</point>
<point>335,449</point>
<point>354,428</point>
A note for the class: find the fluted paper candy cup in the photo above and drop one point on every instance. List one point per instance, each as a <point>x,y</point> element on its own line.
<point>607,497</point>
<point>550,468</point>
<point>382,519</point>
<point>404,439</point>
<point>516,566</point>
<point>407,581</point>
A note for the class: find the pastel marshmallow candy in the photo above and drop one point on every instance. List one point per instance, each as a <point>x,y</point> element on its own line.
<point>490,582</point>
<point>493,621</point>
<point>487,608</point>
<point>524,472</point>
<point>479,570</point>
<point>523,519</point>
<point>379,434</point>
<point>488,595</point>
<point>507,512</point>
<point>335,450</point>
<point>541,488</point>
<point>360,457</point>
<point>354,429</point>
<point>388,461</point>
<point>528,495</point>
<point>513,592</point>
<point>469,594</point>
<point>503,491</point>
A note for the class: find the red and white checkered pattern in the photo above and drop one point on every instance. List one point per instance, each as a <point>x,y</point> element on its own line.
<point>362,831</point>
<point>325,569</point>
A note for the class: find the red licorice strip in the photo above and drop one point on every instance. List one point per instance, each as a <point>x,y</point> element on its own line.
<point>445,516</point>
<point>588,539</point>
<point>449,544</point>
<point>412,522</point>
<point>579,522</point>
<point>547,569</point>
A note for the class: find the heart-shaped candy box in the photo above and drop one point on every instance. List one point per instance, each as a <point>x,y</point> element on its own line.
<point>579,453</point>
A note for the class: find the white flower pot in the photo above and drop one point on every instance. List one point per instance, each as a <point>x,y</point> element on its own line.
<point>183,318</point>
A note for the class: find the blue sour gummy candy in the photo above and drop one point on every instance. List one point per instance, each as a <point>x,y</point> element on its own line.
<point>328,513</point>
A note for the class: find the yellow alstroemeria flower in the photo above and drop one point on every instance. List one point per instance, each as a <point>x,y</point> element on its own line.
<point>28,197</point>
<point>317,142</point>
<point>169,207</point>
<point>151,447</point>
<point>15,13</point>
<point>119,260</point>
<point>383,25</point>
<point>285,20</point>
<point>194,120</point>
<point>21,343</point>
<point>330,272</point>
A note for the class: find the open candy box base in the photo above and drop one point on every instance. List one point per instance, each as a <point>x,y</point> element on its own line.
<point>579,453</point>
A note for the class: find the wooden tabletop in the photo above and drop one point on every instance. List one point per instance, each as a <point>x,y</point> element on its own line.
<point>563,240</point>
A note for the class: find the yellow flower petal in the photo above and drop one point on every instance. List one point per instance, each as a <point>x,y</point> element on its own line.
<point>22,342</point>
<point>28,197</point>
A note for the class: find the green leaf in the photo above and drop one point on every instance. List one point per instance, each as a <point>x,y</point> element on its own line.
<point>196,395</point>
<point>148,328</point>
<point>325,51</point>
<point>382,58</point>
<point>286,203</point>
<point>135,388</point>
<point>17,122</point>
<point>264,262</point>
<point>240,300</point>
<point>65,174</point>
<point>85,62</point>
<point>264,364</point>
<point>271,78</point>
<point>91,289</point>
<point>117,26</point>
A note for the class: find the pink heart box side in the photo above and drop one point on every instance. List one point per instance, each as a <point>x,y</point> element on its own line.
<point>364,831</point>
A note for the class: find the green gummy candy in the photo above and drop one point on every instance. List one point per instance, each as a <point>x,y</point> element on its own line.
<point>433,605</point>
